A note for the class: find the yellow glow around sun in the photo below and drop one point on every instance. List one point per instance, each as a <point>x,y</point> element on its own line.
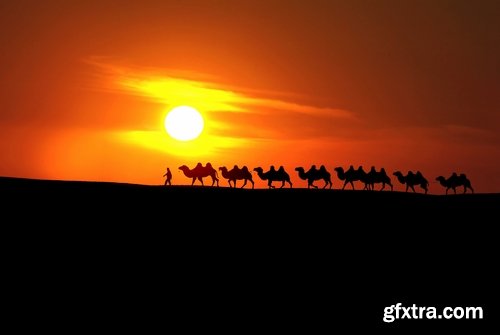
<point>207,146</point>
<point>184,123</point>
<point>181,92</point>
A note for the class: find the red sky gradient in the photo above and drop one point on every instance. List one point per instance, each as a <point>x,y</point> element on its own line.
<point>405,85</point>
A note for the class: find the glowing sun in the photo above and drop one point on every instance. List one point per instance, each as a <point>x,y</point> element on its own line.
<point>184,123</point>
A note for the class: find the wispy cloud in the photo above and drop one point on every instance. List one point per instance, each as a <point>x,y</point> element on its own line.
<point>171,87</point>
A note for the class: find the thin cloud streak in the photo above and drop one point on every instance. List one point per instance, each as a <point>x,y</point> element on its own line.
<point>169,88</point>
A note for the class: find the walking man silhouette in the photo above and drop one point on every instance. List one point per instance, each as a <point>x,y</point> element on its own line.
<point>168,175</point>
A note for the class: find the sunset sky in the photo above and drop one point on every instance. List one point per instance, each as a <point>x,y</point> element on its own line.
<point>405,85</point>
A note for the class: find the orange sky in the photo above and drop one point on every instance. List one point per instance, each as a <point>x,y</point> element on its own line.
<point>407,85</point>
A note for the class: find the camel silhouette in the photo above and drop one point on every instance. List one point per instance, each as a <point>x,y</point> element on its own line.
<point>199,172</point>
<point>237,174</point>
<point>411,179</point>
<point>375,177</point>
<point>313,174</point>
<point>351,175</point>
<point>455,181</point>
<point>273,175</point>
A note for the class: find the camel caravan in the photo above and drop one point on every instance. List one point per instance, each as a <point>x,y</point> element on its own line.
<point>348,177</point>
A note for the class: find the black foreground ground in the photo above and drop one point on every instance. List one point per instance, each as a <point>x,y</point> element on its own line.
<point>136,256</point>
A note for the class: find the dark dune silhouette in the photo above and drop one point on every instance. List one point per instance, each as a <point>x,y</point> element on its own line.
<point>237,174</point>
<point>314,174</point>
<point>119,199</point>
<point>412,179</point>
<point>248,245</point>
<point>455,181</point>
<point>199,172</point>
<point>273,175</point>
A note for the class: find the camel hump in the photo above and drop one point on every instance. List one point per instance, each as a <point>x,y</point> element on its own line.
<point>322,168</point>
<point>281,169</point>
<point>208,165</point>
<point>244,168</point>
<point>312,169</point>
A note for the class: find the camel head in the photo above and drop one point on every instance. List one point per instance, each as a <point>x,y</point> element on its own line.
<point>223,169</point>
<point>258,169</point>
<point>183,168</point>
<point>441,180</point>
<point>397,174</point>
<point>299,169</point>
<point>339,169</point>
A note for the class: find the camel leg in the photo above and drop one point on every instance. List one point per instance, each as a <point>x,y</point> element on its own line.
<point>352,184</point>
<point>282,184</point>
<point>201,180</point>
<point>244,183</point>
<point>289,182</point>
<point>192,183</point>
<point>468,187</point>
<point>423,187</point>
<point>392,187</point>
<point>383,186</point>
<point>270,184</point>
<point>413,188</point>
<point>253,184</point>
